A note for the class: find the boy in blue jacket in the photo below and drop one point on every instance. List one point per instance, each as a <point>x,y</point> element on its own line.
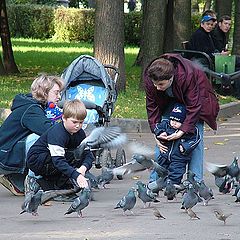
<point>52,155</point>
<point>178,153</point>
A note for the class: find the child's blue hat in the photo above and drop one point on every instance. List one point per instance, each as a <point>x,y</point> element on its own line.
<point>178,113</point>
<point>208,18</point>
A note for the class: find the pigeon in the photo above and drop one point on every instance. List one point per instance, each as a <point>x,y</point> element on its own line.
<point>145,194</point>
<point>205,193</point>
<point>191,179</point>
<point>92,179</point>
<point>105,177</point>
<point>127,202</point>
<point>157,214</point>
<point>157,185</point>
<point>224,184</point>
<point>237,193</point>
<point>222,170</point>
<point>192,214</point>
<point>190,198</point>
<point>221,216</point>
<point>80,202</point>
<point>33,200</point>
<point>170,190</point>
<point>102,137</point>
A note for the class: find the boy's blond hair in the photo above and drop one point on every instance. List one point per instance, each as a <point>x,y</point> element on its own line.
<point>74,109</point>
<point>43,84</point>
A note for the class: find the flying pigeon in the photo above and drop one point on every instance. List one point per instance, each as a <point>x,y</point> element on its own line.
<point>102,137</point>
<point>170,190</point>
<point>127,202</point>
<point>221,216</point>
<point>80,202</point>
<point>192,214</point>
<point>157,214</point>
<point>224,184</point>
<point>205,193</point>
<point>146,195</point>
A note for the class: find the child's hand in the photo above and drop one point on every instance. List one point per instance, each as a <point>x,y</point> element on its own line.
<point>82,181</point>
<point>162,136</point>
<point>162,147</point>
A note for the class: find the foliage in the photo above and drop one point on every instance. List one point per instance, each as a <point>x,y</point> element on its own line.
<point>196,17</point>
<point>30,21</point>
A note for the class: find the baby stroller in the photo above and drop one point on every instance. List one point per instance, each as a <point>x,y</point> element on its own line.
<point>90,81</point>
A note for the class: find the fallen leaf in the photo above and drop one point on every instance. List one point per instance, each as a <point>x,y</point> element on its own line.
<point>135,177</point>
<point>219,143</point>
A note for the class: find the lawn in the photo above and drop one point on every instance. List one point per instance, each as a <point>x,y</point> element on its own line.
<point>34,57</point>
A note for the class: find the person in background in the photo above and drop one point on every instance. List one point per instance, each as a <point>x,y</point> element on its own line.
<point>170,79</point>
<point>22,128</point>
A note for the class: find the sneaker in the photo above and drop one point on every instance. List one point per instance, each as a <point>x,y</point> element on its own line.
<point>31,185</point>
<point>10,186</point>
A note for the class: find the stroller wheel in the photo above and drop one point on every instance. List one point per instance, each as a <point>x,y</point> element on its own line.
<point>120,160</point>
<point>106,159</point>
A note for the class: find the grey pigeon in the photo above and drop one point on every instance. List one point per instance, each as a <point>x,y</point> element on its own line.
<point>146,195</point>
<point>192,214</point>
<point>92,179</point>
<point>190,198</point>
<point>105,177</point>
<point>33,200</point>
<point>157,214</point>
<point>157,185</point>
<point>221,216</point>
<point>80,202</point>
<point>222,170</point>
<point>191,179</point>
<point>102,137</point>
<point>237,193</point>
<point>170,190</point>
<point>224,184</point>
<point>127,202</point>
<point>205,193</point>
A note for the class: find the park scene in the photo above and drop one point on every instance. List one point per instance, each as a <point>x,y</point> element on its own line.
<point>119,119</point>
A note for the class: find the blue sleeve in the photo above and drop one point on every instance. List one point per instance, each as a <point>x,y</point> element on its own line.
<point>190,141</point>
<point>35,120</point>
<point>160,127</point>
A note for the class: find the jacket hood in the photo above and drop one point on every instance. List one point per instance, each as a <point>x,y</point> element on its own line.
<point>23,100</point>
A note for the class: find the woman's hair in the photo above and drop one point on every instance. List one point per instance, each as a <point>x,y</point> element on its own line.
<point>43,84</point>
<point>160,69</point>
<point>74,109</point>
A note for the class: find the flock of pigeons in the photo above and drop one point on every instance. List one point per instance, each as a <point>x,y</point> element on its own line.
<point>192,192</point>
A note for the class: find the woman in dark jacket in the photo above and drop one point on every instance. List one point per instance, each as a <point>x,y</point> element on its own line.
<point>23,126</point>
<point>172,78</point>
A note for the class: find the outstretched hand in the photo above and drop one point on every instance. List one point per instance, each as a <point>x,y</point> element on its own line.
<point>175,135</point>
<point>162,148</point>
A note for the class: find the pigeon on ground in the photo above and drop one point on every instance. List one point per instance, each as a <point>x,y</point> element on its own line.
<point>105,177</point>
<point>191,179</point>
<point>127,202</point>
<point>80,202</point>
<point>205,193</point>
<point>192,214</point>
<point>92,179</point>
<point>237,193</point>
<point>170,190</point>
<point>221,216</point>
<point>102,137</point>
<point>224,184</point>
<point>146,195</point>
<point>222,170</point>
<point>33,200</point>
<point>157,214</point>
<point>190,198</point>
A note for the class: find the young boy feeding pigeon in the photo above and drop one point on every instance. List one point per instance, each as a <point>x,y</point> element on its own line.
<point>52,155</point>
<point>178,153</point>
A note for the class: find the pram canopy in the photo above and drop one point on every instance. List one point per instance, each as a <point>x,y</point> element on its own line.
<point>88,80</point>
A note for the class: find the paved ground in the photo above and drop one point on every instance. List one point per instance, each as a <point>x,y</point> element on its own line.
<point>101,221</point>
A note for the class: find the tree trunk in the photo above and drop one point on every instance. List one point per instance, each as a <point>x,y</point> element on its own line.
<point>207,5</point>
<point>236,34</point>
<point>2,70</point>
<point>8,58</point>
<point>109,36</point>
<point>223,7</point>
<point>182,22</point>
<point>153,38</point>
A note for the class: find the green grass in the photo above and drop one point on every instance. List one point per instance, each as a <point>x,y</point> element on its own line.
<point>34,57</point>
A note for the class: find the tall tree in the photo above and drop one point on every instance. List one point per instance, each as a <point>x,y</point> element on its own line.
<point>181,22</point>
<point>109,36</point>
<point>223,7</point>
<point>236,34</point>
<point>153,33</point>
<point>8,58</point>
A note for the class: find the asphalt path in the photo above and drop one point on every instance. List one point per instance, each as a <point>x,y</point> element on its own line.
<point>101,221</point>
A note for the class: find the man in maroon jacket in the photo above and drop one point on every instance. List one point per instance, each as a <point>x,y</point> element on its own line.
<point>172,78</point>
